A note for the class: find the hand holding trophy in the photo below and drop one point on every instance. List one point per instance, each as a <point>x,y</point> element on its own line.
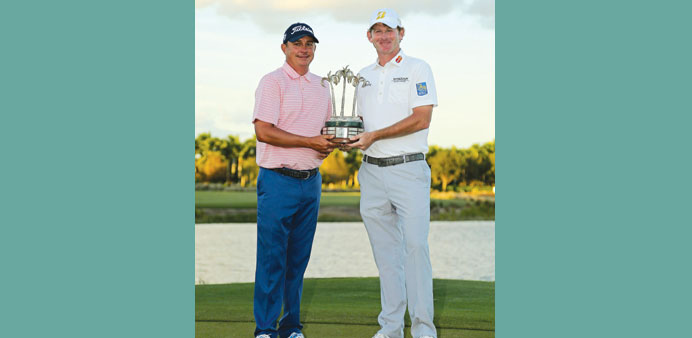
<point>343,127</point>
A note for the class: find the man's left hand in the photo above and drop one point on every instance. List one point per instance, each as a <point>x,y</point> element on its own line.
<point>363,140</point>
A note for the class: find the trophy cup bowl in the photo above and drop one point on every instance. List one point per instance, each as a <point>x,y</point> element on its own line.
<point>343,127</point>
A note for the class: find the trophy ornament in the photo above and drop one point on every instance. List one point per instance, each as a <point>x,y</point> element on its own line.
<point>343,127</point>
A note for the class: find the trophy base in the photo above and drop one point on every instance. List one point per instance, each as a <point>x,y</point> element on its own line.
<point>341,140</point>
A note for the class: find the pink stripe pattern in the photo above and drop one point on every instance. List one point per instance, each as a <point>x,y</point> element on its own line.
<point>296,104</point>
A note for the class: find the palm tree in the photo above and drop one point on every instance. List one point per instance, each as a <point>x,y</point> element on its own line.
<point>247,149</point>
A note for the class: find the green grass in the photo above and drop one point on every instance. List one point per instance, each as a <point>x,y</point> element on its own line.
<point>241,207</point>
<point>248,199</point>
<point>225,199</point>
<point>347,307</point>
<point>461,209</point>
<point>450,203</point>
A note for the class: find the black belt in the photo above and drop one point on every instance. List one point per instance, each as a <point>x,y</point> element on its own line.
<point>302,174</point>
<point>394,160</point>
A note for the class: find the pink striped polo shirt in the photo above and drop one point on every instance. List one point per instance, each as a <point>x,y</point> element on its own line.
<point>297,104</point>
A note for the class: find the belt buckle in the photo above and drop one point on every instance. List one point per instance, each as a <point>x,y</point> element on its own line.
<point>373,160</point>
<point>305,174</point>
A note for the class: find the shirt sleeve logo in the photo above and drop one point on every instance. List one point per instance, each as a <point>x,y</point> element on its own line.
<point>422,88</point>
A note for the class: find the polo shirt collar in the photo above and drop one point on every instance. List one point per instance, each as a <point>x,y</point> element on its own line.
<point>292,72</point>
<point>399,56</point>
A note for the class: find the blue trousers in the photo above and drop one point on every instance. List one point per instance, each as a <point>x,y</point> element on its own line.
<point>286,220</point>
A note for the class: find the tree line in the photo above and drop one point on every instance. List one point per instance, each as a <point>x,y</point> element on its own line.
<point>232,161</point>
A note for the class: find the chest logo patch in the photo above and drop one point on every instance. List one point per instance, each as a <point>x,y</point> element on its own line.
<point>422,88</point>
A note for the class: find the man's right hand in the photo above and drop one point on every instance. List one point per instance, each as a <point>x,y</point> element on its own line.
<point>322,144</point>
<point>268,133</point>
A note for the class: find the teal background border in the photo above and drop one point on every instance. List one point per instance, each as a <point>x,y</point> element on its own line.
<point>593,169</point>
<point>97,235</point>
<point>96,127</point>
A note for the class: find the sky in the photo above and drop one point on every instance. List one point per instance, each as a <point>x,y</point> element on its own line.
<point>238,41</point>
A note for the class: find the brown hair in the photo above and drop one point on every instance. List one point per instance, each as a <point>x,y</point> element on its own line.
<point>399,28</point>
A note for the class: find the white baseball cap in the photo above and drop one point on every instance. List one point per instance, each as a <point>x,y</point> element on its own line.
<point>386,16</point>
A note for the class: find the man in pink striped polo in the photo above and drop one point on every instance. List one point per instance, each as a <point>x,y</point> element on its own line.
<point>291,107</point>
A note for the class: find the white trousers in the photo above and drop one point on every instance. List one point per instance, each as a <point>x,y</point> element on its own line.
<point>395,207</point>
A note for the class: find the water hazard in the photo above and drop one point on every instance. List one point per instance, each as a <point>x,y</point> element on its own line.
<point>225,253</point>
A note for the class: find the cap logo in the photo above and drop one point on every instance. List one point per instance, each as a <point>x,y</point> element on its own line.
<point>380,15</point>
<point>301,28</point>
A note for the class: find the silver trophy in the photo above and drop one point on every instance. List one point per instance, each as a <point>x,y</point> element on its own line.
<point>343,127</point>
